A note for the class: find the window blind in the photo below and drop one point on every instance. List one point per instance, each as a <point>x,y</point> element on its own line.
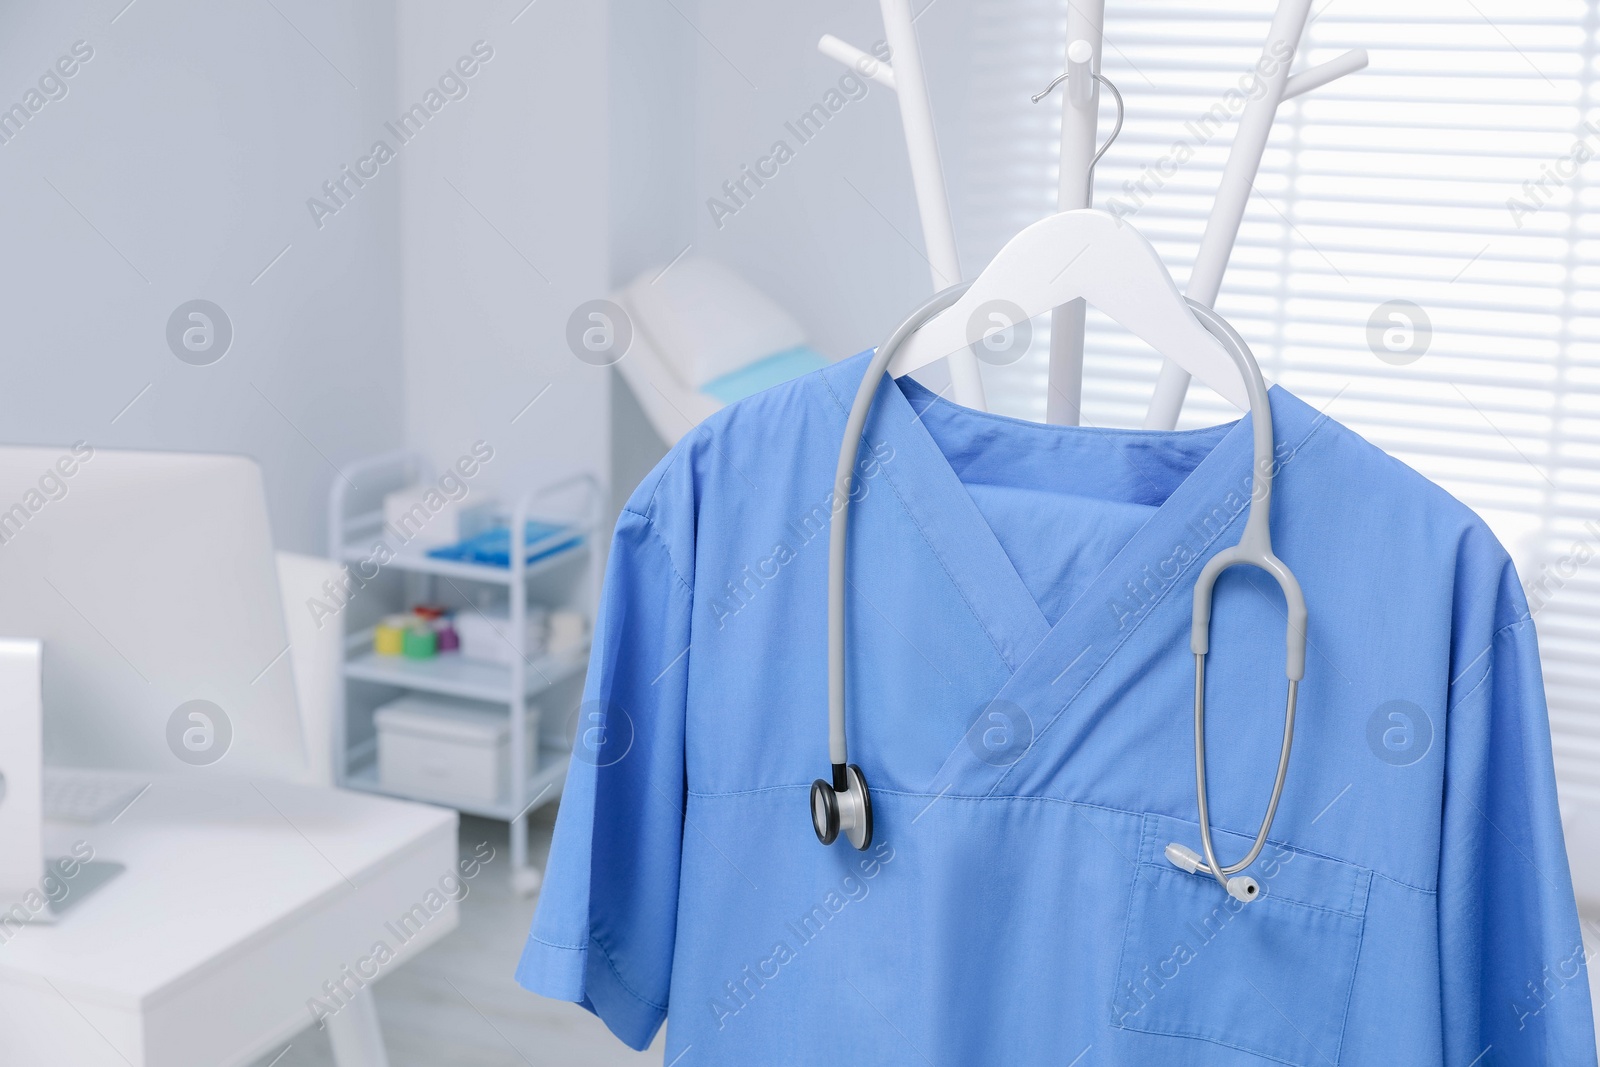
<point>1453,175</point>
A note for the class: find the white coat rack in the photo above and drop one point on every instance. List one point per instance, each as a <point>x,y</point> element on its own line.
<point>1080,113</point>
<point>927,175</point>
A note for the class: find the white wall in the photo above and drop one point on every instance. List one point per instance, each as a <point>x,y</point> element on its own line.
<point>652,134</point>
<point>834,236</point>
<point>503,209</point>
<point>176,167</point>
<point>702,88</point>
<point>193,139</point>
<point>651,187</point>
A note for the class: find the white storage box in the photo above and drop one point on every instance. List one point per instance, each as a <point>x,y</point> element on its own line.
<point>444,749</point>
<point>487,636</point>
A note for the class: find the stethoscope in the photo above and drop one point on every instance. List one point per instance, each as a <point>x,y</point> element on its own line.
<point>844,804</point>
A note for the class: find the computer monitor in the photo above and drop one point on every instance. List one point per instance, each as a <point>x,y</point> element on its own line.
<point>150,578</point>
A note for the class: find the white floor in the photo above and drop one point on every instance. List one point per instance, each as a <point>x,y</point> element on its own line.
<point>457,1003</point>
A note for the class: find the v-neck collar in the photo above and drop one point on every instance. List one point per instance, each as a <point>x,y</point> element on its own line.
<point>961,539</point>
<point>1152,573</point>
<point>1051,665</point>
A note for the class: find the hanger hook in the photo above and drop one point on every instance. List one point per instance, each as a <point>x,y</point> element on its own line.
<point>1115,129</point>
<point>1048,89</point>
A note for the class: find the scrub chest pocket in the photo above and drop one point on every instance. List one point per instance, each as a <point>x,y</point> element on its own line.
<point>1271,977</point>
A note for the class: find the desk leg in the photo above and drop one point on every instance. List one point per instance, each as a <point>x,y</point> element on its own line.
<point>355,1034</point>
<point>525,880</point>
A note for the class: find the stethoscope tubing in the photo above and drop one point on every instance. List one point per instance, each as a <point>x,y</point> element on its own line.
<point>1254,549</point>
<point>854,430</point>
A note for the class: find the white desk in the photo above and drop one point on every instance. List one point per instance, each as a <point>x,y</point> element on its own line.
<point>239,901</point>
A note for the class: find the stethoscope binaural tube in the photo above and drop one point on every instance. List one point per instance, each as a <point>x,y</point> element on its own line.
<point>1254,549</point>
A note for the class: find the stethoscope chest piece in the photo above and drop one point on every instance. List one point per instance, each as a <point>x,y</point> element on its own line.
<point>845,805</point>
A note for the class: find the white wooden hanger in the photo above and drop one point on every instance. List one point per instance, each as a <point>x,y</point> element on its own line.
<point>1080,254</point>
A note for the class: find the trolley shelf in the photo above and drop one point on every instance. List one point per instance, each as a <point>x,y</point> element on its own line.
<point>544,786</point>
<point>417,560</point>
<point>357,535</point>
<point>452,674</point>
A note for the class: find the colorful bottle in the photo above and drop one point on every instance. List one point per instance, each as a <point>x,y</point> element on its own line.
<point>388,638</point>
<point>444,628</point>
<point>420,642</point>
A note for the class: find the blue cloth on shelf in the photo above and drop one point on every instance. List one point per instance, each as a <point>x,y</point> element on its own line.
<point>764,373</point>
<point>493,547</point>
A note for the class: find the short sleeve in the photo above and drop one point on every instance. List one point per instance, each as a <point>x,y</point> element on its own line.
<point>603,932</point>
<point>1513,976</point>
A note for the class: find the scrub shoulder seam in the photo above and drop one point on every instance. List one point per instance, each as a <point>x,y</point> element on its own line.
<point>660,475</point>
<point>1488,670</point>
<point>666,549</point>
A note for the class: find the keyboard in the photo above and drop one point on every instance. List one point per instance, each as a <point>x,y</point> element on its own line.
<point>86,796</point>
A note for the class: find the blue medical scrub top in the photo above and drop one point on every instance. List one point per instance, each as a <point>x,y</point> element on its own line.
<point>1020,699</point>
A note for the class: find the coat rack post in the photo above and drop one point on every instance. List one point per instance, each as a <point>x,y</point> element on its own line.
<point>906,77</point>
<point>1080,115</point>
<point>1233,193</point>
